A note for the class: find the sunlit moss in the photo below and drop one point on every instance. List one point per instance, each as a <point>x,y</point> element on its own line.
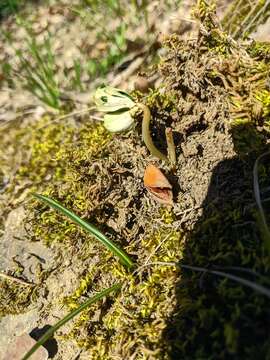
<point>141,308</point>
<point>14,298</point>
<point>260,50</point>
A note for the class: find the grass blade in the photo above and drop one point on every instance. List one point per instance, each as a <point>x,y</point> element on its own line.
<point>125,259</point>
<point>68,317</point>
<point>256,187</point>
<point>257,287</point>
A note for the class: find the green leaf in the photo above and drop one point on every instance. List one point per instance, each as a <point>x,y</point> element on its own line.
<point>118,121</point>
<point>110,99</point>
<point>124,258</point>
<point>68,317</point>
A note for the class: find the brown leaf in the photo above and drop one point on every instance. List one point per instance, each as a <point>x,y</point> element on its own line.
<point>157,185</point>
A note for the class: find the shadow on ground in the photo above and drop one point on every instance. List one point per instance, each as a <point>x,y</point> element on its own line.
<point>216,318</point>
<point>50,345</point>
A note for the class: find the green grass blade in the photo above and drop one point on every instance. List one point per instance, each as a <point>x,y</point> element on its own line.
<point>257,287</point>
<point>125,259</point>
<point>68,317</point>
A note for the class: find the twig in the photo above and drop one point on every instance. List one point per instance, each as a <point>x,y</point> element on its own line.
<point>133,67</point>
<point>67,116</point>
<point>184,212</point>
<point>156,249</point>
<point>162,263</point>
<point>15,279</point>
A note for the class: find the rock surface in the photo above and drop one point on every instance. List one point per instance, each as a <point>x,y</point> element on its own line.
<point>21,345</point>
<point>13,348</point>
<point>15,245</point>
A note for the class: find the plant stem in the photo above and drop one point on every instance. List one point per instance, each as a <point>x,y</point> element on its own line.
<point>13,278</point>
<point>146,135</point>
<point>170,146</point>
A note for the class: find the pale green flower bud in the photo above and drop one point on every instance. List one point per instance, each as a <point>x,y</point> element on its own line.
<point>118,121</point>
<point>109,99</point>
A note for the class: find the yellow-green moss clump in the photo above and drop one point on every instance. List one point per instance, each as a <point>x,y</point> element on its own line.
<point>73,165</point>
<point>44,151</point>
<point>138,314</point>
<point>14,298</point>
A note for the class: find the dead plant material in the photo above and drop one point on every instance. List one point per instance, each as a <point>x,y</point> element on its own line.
<point>157,185</point>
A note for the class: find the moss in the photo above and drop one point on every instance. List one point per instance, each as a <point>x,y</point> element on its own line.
<point>141,309</point>
<point>246,137</point>
<point>167,215</point>
<point>60,166</point>
<point>264,98</point>
<point>260,50</point>
<point>57,153</point>
<point>49,154</point>
<point>14,298</point>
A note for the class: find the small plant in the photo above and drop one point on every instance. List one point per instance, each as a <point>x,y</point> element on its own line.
<point>8,7</point>
<point>7,73</point>
<point>115,52</point>
<point>36,68</point>
<point>115,41</point>
<point>76,81</point>
<point>119,108</point>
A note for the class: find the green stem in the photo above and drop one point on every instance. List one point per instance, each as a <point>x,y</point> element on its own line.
<point>146,135</point>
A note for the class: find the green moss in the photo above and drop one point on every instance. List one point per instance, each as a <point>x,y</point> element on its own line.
<point>57,152</point>
<point>260,50</point>
<point>264,98</point>
<point>139,313</point>
<point>50,153</point>
<point>60,166</point>
<point>246,137</point>
<point>14,298</point>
